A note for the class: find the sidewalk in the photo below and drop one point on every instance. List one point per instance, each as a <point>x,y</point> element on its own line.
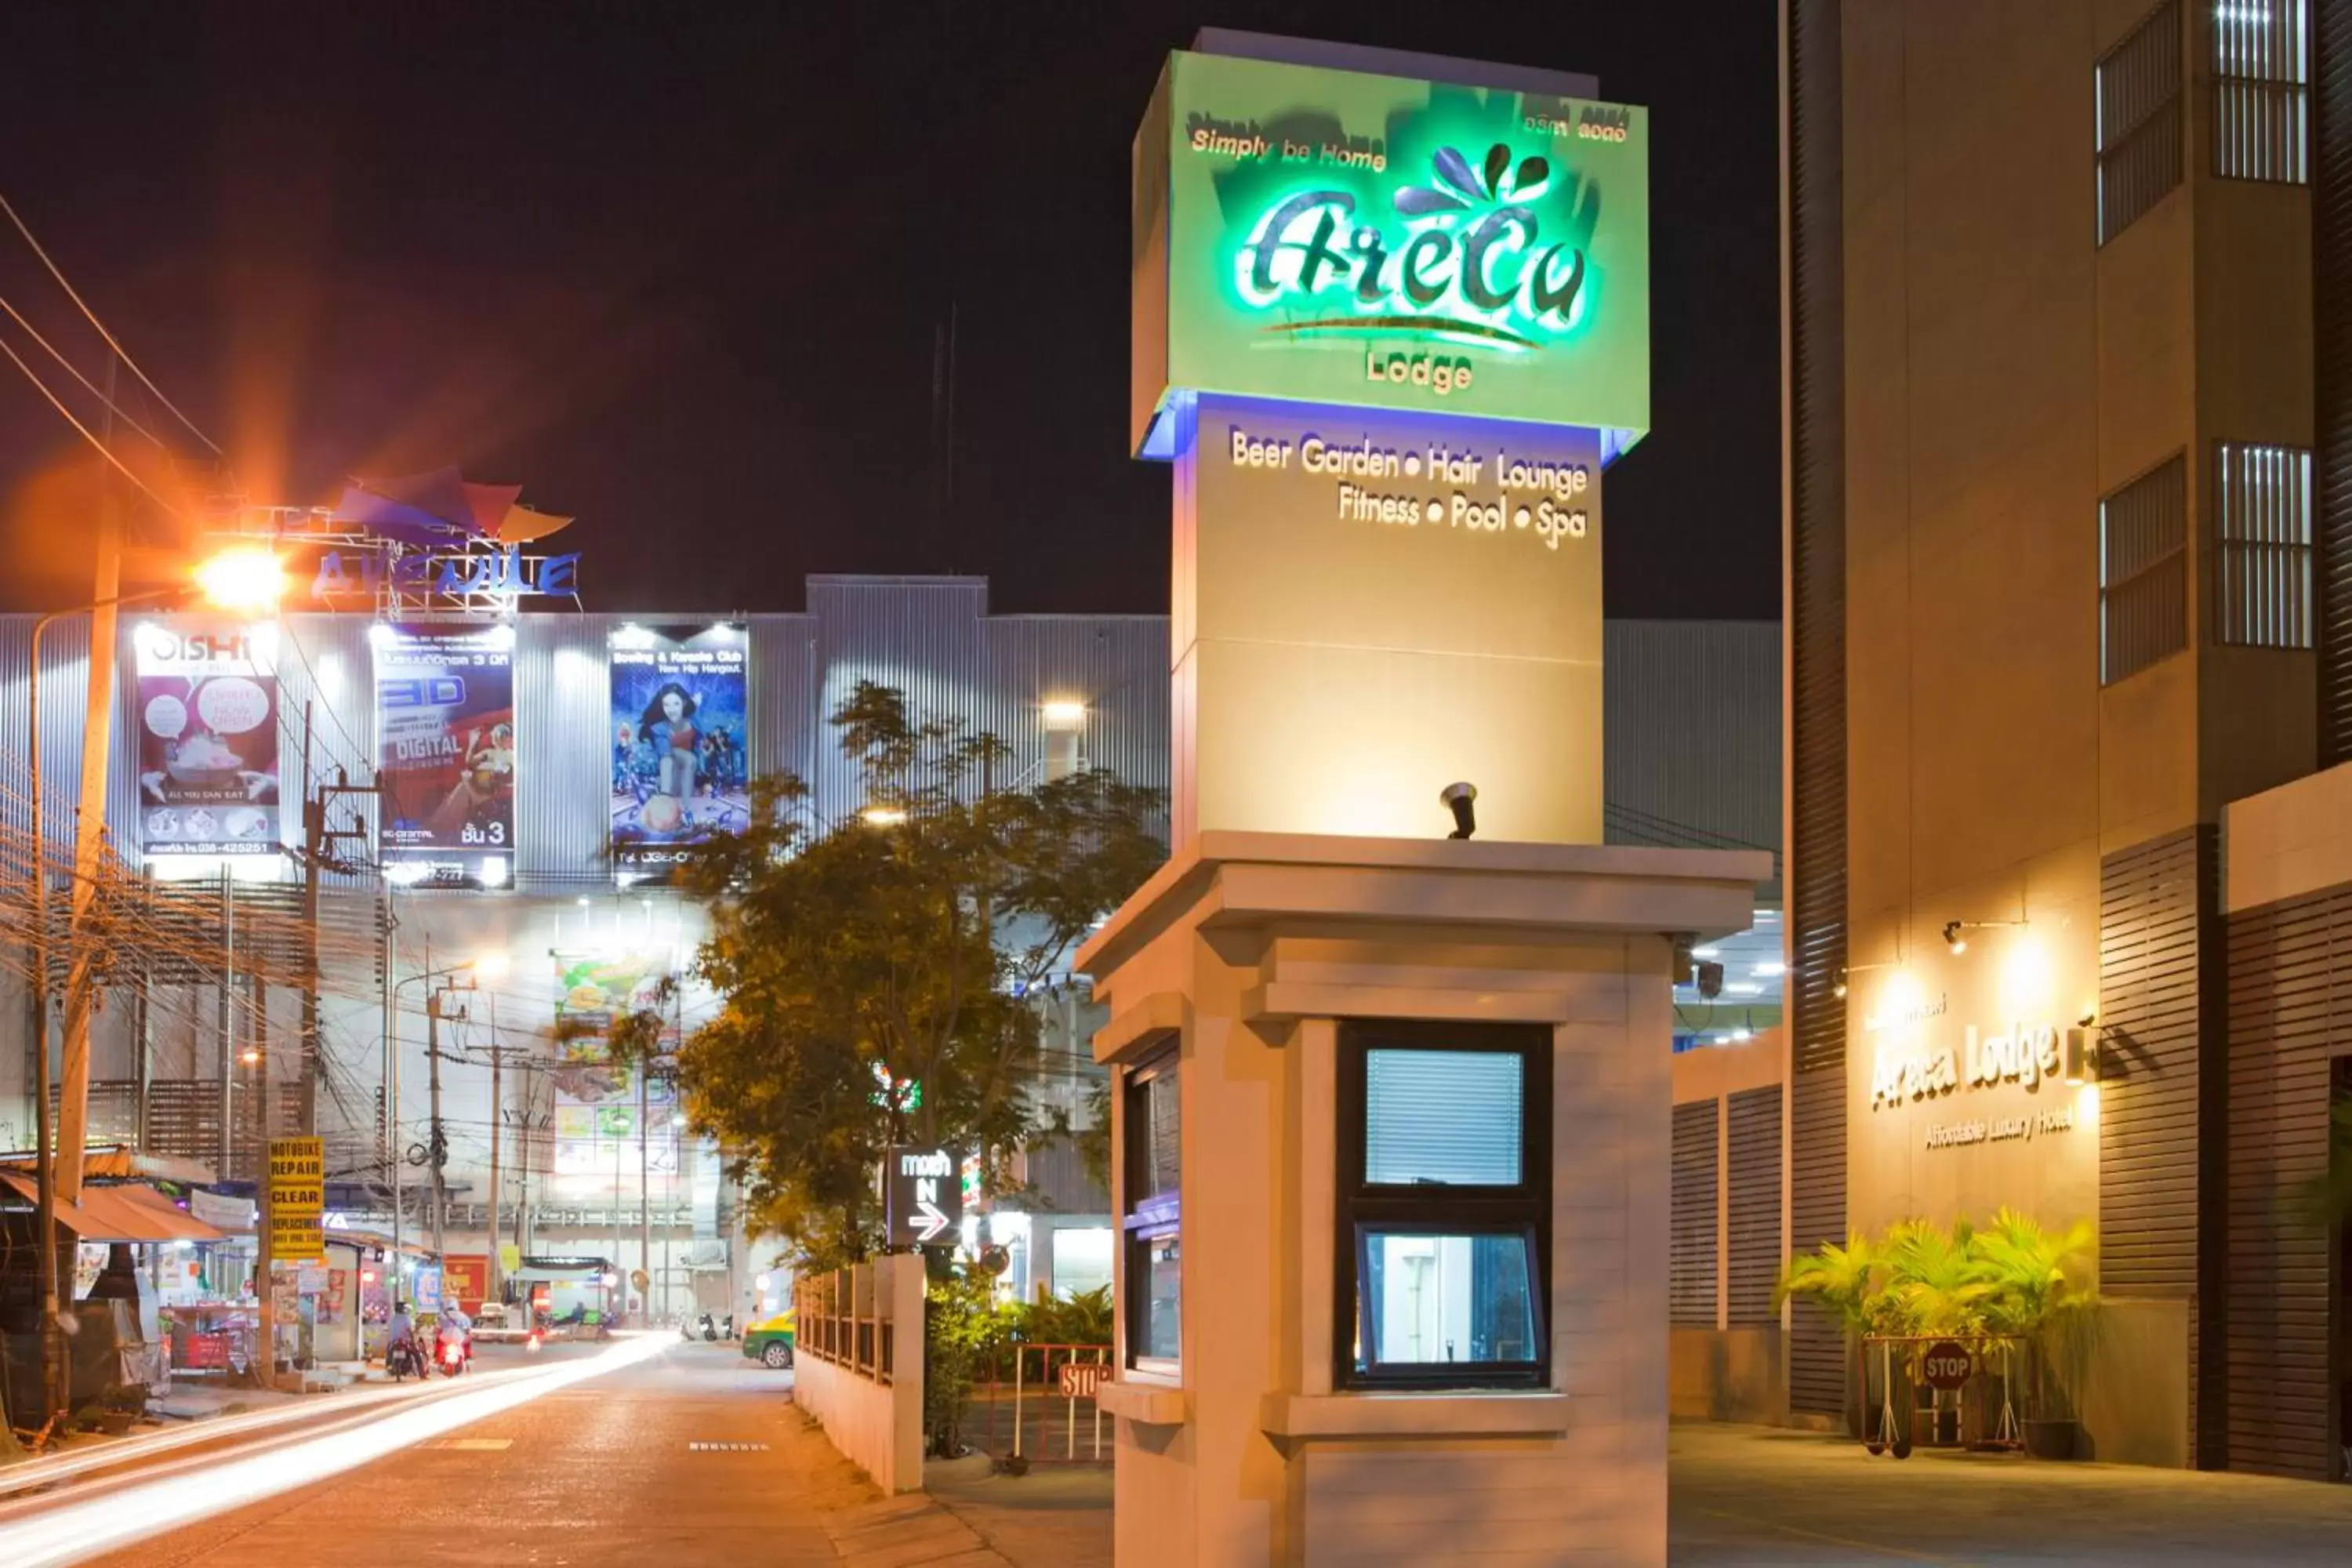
<point>968,1518</point>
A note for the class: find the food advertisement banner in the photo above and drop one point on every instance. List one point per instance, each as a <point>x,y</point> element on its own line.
<point>679,761</point>
<point>208,728</point>
<point>1334,236</point>
<point>596,1098</point>
<point>445,751</point>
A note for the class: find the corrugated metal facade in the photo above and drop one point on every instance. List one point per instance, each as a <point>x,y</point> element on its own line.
<point>1692,710</point>
<point>2290,992</point>
<point>1812,232</point>
<point>1692,1210</point>
<point>1692,725</point>
<point>2160,1110</point>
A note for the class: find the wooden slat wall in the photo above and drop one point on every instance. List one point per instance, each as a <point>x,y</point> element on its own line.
<point>1812,232</point>
<point>2290,986</point>
<point>2331,364</point>
<point>2160,1101</point>
<point>1691,1225</point>
<point>1753,1248</point>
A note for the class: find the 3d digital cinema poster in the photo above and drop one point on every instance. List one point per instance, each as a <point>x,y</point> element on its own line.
<point>446,750</point>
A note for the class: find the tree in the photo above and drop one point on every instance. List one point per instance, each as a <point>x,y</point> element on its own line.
<point>871,971</point>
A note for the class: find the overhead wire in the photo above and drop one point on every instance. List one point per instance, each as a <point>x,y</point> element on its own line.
<point>86,433</point>
<point>75,371</point>
<point>112,342</point>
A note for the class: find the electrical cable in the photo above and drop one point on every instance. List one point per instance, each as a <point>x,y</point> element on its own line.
<point>86,434</point>
<point>75,371</point>
<point>111,341</point>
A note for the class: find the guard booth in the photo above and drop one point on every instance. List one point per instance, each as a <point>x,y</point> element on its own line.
<point>1391,1032</point>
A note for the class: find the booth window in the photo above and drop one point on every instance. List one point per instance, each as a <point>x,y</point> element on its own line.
<point>1154,1257</point>
<point>1443,1222</point>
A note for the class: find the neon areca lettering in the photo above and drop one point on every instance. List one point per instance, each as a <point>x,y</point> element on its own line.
<point>1448,267</point>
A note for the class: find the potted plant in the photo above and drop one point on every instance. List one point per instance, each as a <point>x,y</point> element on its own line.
<point>2040,1291</point>
<point>1842,1281</point>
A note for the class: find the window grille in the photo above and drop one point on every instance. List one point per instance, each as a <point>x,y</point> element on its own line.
<point>2137,92</point>
<point>2261,91</point>
<point>2142,572</point>
<point>2261,577</point>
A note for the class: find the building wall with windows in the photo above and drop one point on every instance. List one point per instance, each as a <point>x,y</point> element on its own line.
<point>2054,589</point>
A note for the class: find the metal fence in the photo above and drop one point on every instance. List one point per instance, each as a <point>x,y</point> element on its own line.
<point>840,1317</point>
<point>1037,1403</point>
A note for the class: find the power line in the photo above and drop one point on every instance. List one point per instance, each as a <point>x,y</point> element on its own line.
<point>84,429</point>
<point>75,371</point>
<point>110,343</point>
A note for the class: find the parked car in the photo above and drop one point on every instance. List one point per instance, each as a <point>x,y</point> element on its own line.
<point>769,1341</point>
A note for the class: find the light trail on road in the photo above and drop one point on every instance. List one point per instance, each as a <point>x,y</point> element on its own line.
<point>76,1530</point>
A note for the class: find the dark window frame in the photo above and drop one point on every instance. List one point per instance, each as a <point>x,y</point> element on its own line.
<point>1360,1208</point>
<point>1149,1217</point>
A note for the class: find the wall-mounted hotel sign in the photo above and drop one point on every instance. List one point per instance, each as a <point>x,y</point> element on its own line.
<point>2022,1054</point>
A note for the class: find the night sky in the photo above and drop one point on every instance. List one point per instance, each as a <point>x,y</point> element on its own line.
<point>681,271</point>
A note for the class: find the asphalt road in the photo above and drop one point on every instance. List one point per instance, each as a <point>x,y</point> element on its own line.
<point>693,1456</point>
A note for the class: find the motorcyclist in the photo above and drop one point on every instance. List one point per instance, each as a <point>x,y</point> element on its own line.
<point>458,1329</point>
<point>400,1338</point>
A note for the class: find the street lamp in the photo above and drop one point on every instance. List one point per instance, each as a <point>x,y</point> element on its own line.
<point>237,580</point>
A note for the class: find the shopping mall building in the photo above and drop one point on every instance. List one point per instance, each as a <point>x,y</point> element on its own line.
<point>2068,323</point>
<point>549,884</point>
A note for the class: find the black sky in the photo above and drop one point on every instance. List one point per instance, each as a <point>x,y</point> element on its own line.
<point>680,270</point>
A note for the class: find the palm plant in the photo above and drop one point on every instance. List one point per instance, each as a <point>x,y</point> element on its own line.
<point>1937,1278</point>
<point>2034,1275</point>
<point>1841,1280</point>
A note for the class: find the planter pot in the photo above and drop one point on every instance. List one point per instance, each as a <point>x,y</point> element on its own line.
<point>2051,1439</point>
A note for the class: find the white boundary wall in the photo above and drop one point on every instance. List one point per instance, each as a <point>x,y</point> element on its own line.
<point>857,1368</point>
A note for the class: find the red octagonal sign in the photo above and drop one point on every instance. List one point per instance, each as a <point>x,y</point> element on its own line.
<point>1946,1364</point>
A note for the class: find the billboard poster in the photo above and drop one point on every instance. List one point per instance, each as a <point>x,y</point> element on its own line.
<point>446,750</point>
<point>208,728</point>
<point>679,762</point>
<point>596,1132</point>
<point>1336,236</point>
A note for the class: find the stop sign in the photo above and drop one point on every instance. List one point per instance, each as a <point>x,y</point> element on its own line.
<point>1946,1364</point>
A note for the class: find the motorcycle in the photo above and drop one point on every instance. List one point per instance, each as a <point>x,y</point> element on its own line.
<point>457,1353</point>
<point>406,1359</point>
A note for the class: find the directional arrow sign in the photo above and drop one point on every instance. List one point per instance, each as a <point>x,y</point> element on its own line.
<point>926,1194</point>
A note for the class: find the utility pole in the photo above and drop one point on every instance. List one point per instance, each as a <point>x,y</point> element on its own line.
<point>497,1117</point>
<point>89,822</point>
<point>435,1146</point>
<point>319,841</point>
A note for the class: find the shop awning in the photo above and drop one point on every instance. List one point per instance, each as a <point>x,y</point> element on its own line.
<point>126,1213</point>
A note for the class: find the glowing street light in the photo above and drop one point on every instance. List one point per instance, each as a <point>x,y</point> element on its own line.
<point>883,815</point>
<point>245,578</point>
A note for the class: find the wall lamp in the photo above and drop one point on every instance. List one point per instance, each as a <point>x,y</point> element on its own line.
<point>1838,987</point>
<point>1955,932</point>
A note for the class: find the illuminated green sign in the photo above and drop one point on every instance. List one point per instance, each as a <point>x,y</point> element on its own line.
<point>1333,236</point>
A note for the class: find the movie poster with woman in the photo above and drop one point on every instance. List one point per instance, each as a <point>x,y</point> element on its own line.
<point>446,747</point>
<point>207,740</point>
<point>680,766</point>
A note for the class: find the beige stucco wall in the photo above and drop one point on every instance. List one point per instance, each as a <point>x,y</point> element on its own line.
<point>1333,673</point>
<point>1249,957</point>
<point>2003,373</point>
